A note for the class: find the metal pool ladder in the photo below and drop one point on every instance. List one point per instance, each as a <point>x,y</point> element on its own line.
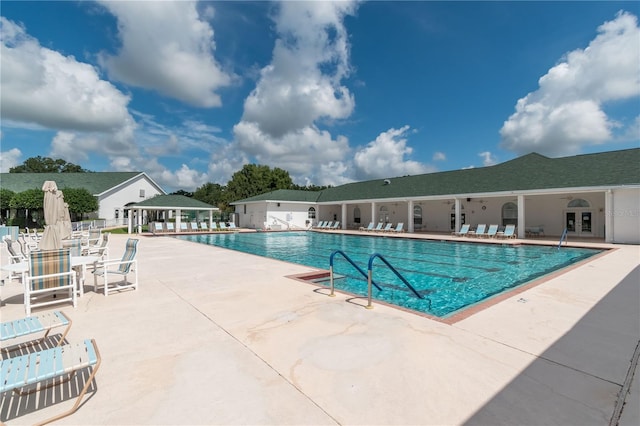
<point>370,278</point>
<point>359,269</point>
<point>369,275</point>
<point>563,237</point>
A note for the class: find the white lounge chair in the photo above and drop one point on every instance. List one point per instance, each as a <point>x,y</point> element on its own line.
<point>464,230</point>
<point>368,228</point>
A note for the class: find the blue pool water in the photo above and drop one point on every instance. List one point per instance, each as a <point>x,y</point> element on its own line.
<point>450,276</point>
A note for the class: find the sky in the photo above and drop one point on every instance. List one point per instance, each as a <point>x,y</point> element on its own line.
<point>332,92</point>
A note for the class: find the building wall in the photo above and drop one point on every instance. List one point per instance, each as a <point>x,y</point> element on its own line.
<point>626,216</point>
<point>255,215</point>
<point>123,195</point>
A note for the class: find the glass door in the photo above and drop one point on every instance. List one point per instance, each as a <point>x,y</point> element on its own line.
<point>586,222</point>
<point>579,222</point>
<point>570,222</point>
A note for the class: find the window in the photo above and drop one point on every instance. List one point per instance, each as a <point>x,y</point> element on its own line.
<point>356,215</point>
<point>244,208</point>
<point>311,213</point>
<point>578,202</point>
<point>142,193</point>
<point>509,214</point>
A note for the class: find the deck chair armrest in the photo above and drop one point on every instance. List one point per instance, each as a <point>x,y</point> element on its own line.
<point>108,263</point>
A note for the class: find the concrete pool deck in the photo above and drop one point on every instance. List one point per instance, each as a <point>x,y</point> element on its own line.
<point>215,336</point>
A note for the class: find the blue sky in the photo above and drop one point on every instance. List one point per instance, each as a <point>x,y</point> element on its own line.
<point>332,92</point>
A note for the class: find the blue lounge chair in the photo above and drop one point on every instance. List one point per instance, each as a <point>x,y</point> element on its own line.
<point>204,226</point>
<point>320,224</point>
<point>368,228</point>
<point>491,232</point>
<point>157,228</point>
<point>336,225</point>
<point>170,227</point>
<point>378,227</point>
<point>328,225</point>
<point>45,321</point>
<point>184,227</point>
<point>39,367</point>
<point>232,225</point>
<point>399,228</point>
<point>509,232</point>
<point>387,227</point>
<point>480,230</point>
<point>464,230</point>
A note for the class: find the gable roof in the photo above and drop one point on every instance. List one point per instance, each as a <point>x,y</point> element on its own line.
<point>173,201</point>
<point>94,182</point>
<point>529,172</point>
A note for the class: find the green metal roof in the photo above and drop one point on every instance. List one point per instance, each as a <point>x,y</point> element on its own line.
<point>96,183</point>
<point>285,195</point>
<point>529,172</point>
<point>174,201</point>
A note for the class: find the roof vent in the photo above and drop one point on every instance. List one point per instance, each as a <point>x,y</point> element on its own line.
<point>387,182</point>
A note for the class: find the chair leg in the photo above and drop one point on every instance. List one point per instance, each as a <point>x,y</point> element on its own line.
<point>82,393</point>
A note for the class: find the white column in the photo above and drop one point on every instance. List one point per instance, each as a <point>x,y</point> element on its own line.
<point>130,222</point>
<point>211,218</point>
<point>457,206</point>
<point>139,221</point>
<point>608,216</point>
<point>178,219</point>
<point>344,216</point>
<point>373,213</point>
<point>410,217</point>
<point>521,216</point>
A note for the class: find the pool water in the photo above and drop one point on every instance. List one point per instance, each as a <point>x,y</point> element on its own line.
<point>450,276</point>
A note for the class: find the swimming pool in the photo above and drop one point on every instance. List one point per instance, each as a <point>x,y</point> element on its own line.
<point>450,276</point>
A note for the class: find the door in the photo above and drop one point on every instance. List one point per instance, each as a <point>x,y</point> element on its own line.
<point>453,220</point>
<point>579,223</point>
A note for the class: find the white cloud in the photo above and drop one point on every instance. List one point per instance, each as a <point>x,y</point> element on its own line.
<point>43,87</point>
<point>9,159</point>
<point>300,90</point>
<point>566,112</point>
<point>183,178</point>
<point>385,156</point>
<point>167,47</point>
<point>488,159</point>
<point>439,156</point>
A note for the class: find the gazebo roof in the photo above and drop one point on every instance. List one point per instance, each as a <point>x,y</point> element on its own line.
<point>172,202</point>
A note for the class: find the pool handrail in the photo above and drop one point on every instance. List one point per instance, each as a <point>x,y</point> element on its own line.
<point>370,277</point>
<point>359,269</point>
<point>563,237</point>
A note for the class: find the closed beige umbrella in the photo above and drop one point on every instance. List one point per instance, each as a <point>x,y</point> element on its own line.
<point>51,236</point>
<point>64,219</point>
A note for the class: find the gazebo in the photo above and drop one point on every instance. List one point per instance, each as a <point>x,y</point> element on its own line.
<point>175,204</point>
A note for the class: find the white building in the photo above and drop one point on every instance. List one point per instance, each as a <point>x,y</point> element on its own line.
<point>115,191</point>
<point>592,195</point>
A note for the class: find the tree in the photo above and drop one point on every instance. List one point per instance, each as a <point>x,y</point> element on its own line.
<point>5,199</point>
<point>47,165</point>
<point>253,180</point>
<point>211,193</point>
<point>80,201</point>
<point>183,192</point>
<point>31,202</point>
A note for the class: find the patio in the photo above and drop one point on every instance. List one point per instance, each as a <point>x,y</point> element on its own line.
<point>219,337</point>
